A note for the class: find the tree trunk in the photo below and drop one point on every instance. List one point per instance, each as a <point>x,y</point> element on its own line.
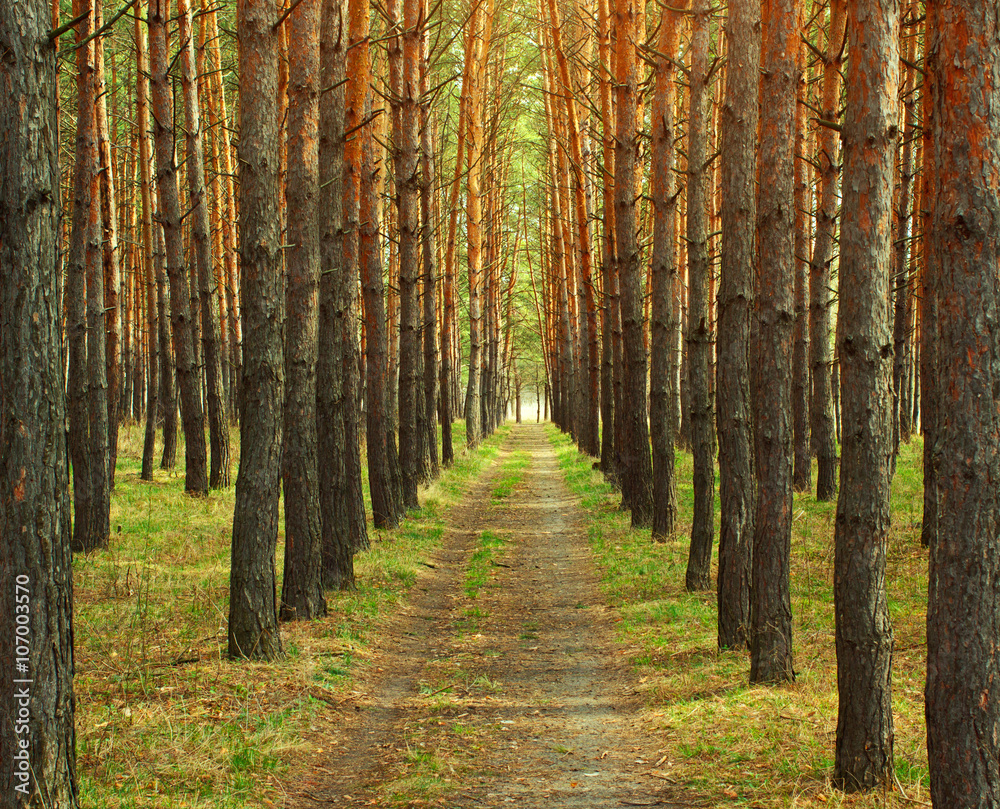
<point>863,630</point>
<point>148,265</point>
<point>733,404</point>
<point>76,293</point>
<point>188,377</point>
<point>302,585</point>
<point>664,276</point>
<point>337,366</point>
<point>963,614</point>
<point>475,54</point>
<point>406,155</point>
<point>218,425</point>
<point>928,297</point>
<point>802,462</point>
<point>97,370</point>
<point>360,163</point>
<point>168,397</point>
<point>771,609</point>
<point>253,626</point>
<point>699,332</point>
<point>36,566</point>
<point>608,257</point>
<point>428,239</point>
<point>821,413</point>
<point>636,466</point>
<point>903,301</point>
<point>109,255</point>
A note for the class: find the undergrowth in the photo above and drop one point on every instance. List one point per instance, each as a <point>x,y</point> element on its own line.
<point>164,719</point>
<point>745,745</point>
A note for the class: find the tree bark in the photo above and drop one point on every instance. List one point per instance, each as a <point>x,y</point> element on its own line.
<point>406,154</point>
<point>253,626</point>
<point>771,609</point>
<point>39,753</point>
<point>302,586</point>
<point>733,405</point>
<point>863,630</point>
<point>821,413</point>
<point>699,332</point>
<point>475,54</point>
<point>76,294</point>
<point>963,613</point>
<point>110,267</point>
<point>148,264</point>
<point>218,425</point>
<point>608,257</point>
<point>802,462</point>
<point>664,271</point>
<point>336,394</point>
<point>361,165</point>
<point>429,231</point>
<point>636,466</point>
<point>188,378</point>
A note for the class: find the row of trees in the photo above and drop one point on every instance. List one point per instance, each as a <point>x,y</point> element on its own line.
<point>779,241</point>
<point>309,259</point>
<point>284,267</point>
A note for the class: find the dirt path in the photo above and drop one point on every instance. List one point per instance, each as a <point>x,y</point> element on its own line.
<point>511,693</point>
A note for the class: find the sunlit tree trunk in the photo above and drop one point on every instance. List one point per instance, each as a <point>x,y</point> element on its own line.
<point>963,614</point>
<point>86,165</point>
<point>863,629</point>
<point>253,625</point>
<point>733,404</point>
<point>475,55</point>
<point>192,415</point>
<point>699,331</point>
<point>608,257</point>
<point>802,448</point>
<point>111,281</point>
<point>636,466</point>
<point>360,164</point>
<point>302,585</point>
<point>343,517</point>
<point>664,276</point>
<point>218,425</point>
<point>821,413</point>
<point>771,383</point>
<point>36,565</point>
<point>148,264</point>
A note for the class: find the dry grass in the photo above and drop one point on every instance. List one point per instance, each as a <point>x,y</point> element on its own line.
<point>746,745</point>
<point>163,718</point>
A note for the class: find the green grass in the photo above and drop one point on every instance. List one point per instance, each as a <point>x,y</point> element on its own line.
<point>164,719</point>
<point>749,745</point>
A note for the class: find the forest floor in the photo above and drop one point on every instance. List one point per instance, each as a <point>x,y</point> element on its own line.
<point>514,642</point>
<point>500,683</point>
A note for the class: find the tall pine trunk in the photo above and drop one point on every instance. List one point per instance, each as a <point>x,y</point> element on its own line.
<point>337,367</point>
<point>302,585</point>
<point>771,608</point>
<point>863,629</point>
<point>253,619</point>
<point>963,614</point>
<point>36,566</point>
<point>664,270</point>
<point>733,404</point>
<point>699,332</point>
<point>821,413</point>
<point>636,466</point>
<point>188,377</point>
<point>218,425</point>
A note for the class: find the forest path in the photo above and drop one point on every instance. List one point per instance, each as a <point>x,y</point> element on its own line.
<point>500,682</point>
